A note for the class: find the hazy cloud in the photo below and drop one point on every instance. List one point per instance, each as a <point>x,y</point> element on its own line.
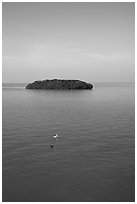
<point>91,41</point>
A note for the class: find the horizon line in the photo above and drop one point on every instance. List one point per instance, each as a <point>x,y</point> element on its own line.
<point>66,79</point>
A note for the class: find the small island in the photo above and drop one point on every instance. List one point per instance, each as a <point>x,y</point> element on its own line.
<point>59,84</point>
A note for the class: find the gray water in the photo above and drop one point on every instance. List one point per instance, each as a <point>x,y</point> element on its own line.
<point>92,161</point>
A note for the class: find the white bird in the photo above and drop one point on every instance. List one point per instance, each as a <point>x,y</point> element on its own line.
<point>55,136</point>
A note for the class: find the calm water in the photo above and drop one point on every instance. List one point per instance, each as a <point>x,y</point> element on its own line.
<point>92,161</point>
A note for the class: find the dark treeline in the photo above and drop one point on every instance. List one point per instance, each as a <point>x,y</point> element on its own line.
<point>59,84</point>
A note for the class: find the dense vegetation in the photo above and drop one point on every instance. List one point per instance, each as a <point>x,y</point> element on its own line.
<point>59,84</point>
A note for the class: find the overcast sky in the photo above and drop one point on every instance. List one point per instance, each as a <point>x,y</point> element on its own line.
<point>93,42</point>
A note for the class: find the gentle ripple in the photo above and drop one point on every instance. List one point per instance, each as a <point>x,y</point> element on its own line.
<point>93,160</point>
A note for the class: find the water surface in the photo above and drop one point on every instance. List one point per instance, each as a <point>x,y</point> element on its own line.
<point>92,161</point>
